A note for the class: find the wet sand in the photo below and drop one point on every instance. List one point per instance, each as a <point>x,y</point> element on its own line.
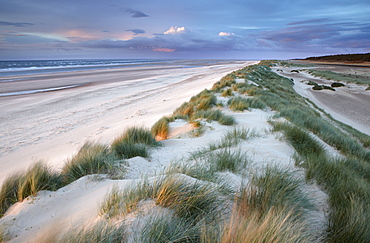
<point>52,126</point>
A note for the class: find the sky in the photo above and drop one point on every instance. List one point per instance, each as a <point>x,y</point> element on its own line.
<point>191,29</point>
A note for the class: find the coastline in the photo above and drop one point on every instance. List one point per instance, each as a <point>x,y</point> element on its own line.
<point>52,126</point>
<point>253,143</point>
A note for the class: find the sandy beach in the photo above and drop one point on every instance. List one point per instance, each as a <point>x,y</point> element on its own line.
<point>52,126</point>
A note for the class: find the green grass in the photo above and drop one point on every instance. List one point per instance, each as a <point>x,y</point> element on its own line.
<point>275,188</point>
<point>160,129</point>
<point>191,201</point>
<point>274,226</point>
<point>241,104</point>
<point>135,141</point>
<point>226,81</point>
<point>130,150</point>
<point>349,196</point>
<point>226,93</point>
<point>203,101</point>
<point>345,183</point>
<point>21,185</point>
<point>227,160</point>
<point>91,159</point>
<point>160,228</point>
<point>230,139</point>
<point>341,77</point>
<point>136,135</point>
<point>270,208</point>
<point>302,142</point>
<point>215,115</point>
<point>102,232</point>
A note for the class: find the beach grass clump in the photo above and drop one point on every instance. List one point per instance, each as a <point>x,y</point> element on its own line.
<point>91,159</point>
<point>160,129</point>
<point>227,160</point>
<point>137,135</point>
<point>226,81</point>
<point>9,192</point>
<point>275,188</point>
<point>270,208</point>
<point>20,185</point>
<point>202,101</point>
<point>101,232</point>
<point>190,200</point>
<point>135,141</point>
<point>274,226</point>
<point>130,150</point>
<point>215,115</point>
<point>38,177</point>
<point>227,92</point>
<point>160,228</point>
<point>303,143</point>
<point>241,104</point>
<point>227,120</point>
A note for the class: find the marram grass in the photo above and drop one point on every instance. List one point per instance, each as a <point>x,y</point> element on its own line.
<point>91,159</point>
<point>21,185</point>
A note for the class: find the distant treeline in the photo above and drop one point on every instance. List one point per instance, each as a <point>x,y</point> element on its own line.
<point>365,57</point>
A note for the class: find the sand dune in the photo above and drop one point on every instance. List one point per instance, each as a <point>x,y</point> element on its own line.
<point>101,111</point>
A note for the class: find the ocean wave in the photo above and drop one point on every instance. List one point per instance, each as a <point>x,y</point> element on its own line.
<point>37,90</point>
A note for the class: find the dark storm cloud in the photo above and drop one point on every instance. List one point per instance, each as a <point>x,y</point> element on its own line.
<point>135,13</point>
<point>15,24</point>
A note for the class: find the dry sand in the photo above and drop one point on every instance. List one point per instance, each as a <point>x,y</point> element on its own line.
<point>52,126</point>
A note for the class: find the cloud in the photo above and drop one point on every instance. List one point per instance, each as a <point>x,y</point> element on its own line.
<point>318,37</point>
<point>163,49</point>
<point>15,24</point>
<point>225,34</point>
<point>137,31</point>
<point>135,13</point>
<point>176,30</point>
<point>176,39</point>
<point>310,21</point>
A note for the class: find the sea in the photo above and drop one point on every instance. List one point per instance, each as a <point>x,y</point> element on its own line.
<point>29,67</point>
<point>22,70</point>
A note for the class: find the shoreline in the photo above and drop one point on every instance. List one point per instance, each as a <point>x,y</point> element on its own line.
<point>52,126</point>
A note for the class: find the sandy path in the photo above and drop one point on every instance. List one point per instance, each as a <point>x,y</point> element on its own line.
<point>52,126</point>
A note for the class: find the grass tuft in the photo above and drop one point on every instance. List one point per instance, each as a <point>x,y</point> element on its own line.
<point>101,232</point>
<point>160,129</point>
<point>130,150</point>
<point>21,185</point>
<point>91,159</point>
<point>136,135</point>
<point>215,115</point>
<point>190,200</point>
<point>241,104</point>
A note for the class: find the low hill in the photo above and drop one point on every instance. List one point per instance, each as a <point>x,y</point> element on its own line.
<point>354,58</point>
